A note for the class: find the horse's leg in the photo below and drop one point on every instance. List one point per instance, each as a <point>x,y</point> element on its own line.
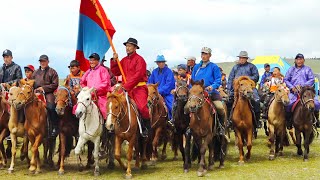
<point>24,149</point>
<point>202,164</point>
<point>39,140</point>
<point>117,152</point>
<point>291,132</point>
<point>306,136</point>
<point>3,157</point>
<point>90,159</point>
<point>52,146</point>
<point>176,141</point>
<point>13,151</point>
<point>110,147</point>
<point>96,156</point>
<point>155,144</point>
<point>187,160</point>
<point>62,148</point>
<point>45,150</point>
<point>35,165</point>
<point>298,142</point>
<point>249,143</point>
<point>137,151</point>
<point>271,140</point>
<point>164,148</point>
<point>211,155</point>
<point>282,136</point>
<point>181,146</point>
<point>240,146</point>
<point>77,151</point>
<point>129,157</point>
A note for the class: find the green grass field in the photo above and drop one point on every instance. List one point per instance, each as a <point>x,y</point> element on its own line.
<point>259,167</point>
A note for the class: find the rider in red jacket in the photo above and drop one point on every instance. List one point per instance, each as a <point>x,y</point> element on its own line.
<point>134,68</point>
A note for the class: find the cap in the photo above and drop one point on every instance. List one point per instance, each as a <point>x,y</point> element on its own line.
<point>6,52</point>
<point>160,58</point>
<point>190,58</point>
<point>44,57</point>
<point>206,50</point>
<point>266,65</point>
<point>299,56</point>
<point>74,63</point>
<point>182,66</point>
<point>95,56</point>
<point>29,67</point>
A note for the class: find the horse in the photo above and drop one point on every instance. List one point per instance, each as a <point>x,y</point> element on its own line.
<point>242,115</point>
<point>90,126</point>
<point>201,123</point>
<point>4,129</point>
<point>36,120</point>
<point>181,123</point>
<point>303,119</point>
<point>276,120</point>
<point>159,117</point>
<point>68,125</point>
<point>123,119</point>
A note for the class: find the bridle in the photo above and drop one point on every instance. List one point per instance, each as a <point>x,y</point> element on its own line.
<point>179,97</point>
<point>155,103</point>
<point>304,103</point>
<point>27,100</point>
<point>202,101</point>
<point>66,101</point>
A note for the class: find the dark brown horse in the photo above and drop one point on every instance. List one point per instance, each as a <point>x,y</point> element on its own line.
<point>159,117</point>
<point>4,130</point>
<point>303,116</point>
<point>201,123</point>
<point>68,125</point>
<point>242,115</point>
<point>123,119</point>
<point>36,120</point>
<point>181,123</point>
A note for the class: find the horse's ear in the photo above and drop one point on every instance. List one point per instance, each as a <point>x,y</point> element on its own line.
<point>157,84</point>
<point>30,82</point>
<point>91,90</point>
<point>201,82</point>
<point>22,82</point>
<point>236,83</point>
<point>253,83</point>
<point>192,82</point>
<point>108,94</point>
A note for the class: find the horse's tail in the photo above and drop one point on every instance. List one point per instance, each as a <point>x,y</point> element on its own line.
<point>312,135</point>
<point>69,144</point>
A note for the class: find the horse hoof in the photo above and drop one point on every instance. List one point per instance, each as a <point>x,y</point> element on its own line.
<point>247,156</point>
<point>111,165</point>
<point>2,166</point>
<point>271,157</point>
<point>153,163</point>
<point>10,171</point>
<point>144,166</point>
<point>200,174</point>
<point>280,153</point>
<point>241,163</point>
<point>299,152</point>
<point>211,167</point>
<point>88,166</point>
<point>96,173</point>
<point>128,176</point>
<point>221,166</point>
<point>175,158</point>
<point>80,168</point>
<point>61,173</point>
<point>32,172</point>
<point>163,157</point>
<point>186,170</point>
<point>37,172</point>
<point>135,169</point>
<point>305,159</point>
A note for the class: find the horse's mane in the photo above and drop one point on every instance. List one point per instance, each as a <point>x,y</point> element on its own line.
<point>85,89</point>
<point>182,82</point>
<point>307,88</point>
<point>236,83</point>
<point>118,96</point>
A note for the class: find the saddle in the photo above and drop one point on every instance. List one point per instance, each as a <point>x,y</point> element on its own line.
<point>295,105</point>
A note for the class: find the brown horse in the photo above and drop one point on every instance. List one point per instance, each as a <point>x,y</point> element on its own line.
<point>159,116</point>
<point>36,120</point>
<point>242,115</point>
<point>276,120</point>
<point>181,123</point>
<point>123,119</point>
<point>303,119</point>
<point>201,123</point>
<point>16,129</point>
<point>4,130</point>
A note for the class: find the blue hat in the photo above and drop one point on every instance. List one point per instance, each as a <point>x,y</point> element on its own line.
<point>160,58</point>
<point>182,66</point>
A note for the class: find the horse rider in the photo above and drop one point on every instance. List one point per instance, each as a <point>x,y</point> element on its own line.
<point>134,68</point>
<point>298,76</point>
<point>183,74</point>
<point>223,79</point>
<point>10,73</point>
<point>191,62</point>
<point>267,73</point>
<point>245,68</point>
<point>28,71</point>
<point>47,81</point>
<point>74,77</point>
<point>112,77</point>
<point>211,74</point>
<point>164,76</point>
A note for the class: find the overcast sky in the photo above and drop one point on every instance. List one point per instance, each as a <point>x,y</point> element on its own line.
<point>175,28</point>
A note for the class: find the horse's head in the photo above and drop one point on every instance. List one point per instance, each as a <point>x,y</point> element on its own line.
<point>63,99</point>
<point>196,96</point>
<point>114,108</point>
<point>13,93</point>
<point>223,93</point>
<point>307,95</point>
<point>282,94</point>
<point>153,94</point>
<point>25,95</point>
<point>243,86</point>
<point>84,101</point>
<point>181,91</point>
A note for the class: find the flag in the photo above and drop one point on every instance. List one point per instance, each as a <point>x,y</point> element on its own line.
<point>92,33</point>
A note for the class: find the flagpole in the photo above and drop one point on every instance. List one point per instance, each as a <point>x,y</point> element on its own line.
<point>110,40</point>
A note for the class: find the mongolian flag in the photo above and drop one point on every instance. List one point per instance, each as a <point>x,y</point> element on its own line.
<point>94,29</point>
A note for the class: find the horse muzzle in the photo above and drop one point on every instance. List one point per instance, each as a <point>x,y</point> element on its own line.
<point>60,111</point>
<point>79,114</point>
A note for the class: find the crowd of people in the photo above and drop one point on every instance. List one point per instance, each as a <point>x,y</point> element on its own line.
<point>102,78</point>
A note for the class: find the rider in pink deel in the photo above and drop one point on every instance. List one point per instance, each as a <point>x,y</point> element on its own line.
<point>97,77</point>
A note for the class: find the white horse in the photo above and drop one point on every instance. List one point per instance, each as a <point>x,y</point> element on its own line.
<point>90,125</point>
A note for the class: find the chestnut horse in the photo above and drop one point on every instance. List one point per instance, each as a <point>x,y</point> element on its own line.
<point>276,120</point>
<point>201,123</point>
<point>159,117</point>
<point>123,119</point>
<point>16,129</point>
<point>68,125</point>
<point>242,115</point>
<point>303,116</point>
<point>4,130</point>
<point>36,120</point>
